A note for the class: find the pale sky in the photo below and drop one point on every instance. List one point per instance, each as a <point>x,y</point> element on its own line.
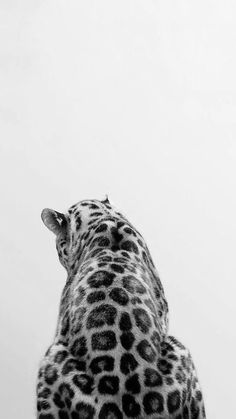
<point>137,100</point>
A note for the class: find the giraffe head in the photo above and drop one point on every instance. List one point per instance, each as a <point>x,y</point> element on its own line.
<point>73,228</point>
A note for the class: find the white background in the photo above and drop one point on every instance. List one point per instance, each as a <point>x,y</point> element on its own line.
<point>136,99</point>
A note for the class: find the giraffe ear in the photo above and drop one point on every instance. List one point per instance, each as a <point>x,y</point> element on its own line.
<point>54,221</point>
<point>106,200</point>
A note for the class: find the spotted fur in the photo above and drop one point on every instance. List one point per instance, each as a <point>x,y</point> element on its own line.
<point>111,357</point>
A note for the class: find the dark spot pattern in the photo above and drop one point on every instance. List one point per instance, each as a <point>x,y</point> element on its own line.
<point>101,228</point>
<point>145,257</point>
<point>117,237</point>
<point>60,356</point>
<point>152,378</point>
<point>119,295</point>
<point>164,366</point>
<point>105,258</point>
<point>104,341</point>
<point>128,363</point>
<point>128,230</point>
<point>58,400</point>
<point>153,402</point>
<point>136,300</point>
<point>169,381</point>
<point>108,384</point>
<point>146,351</point>
<point>79,347</point>
<point>95,297</point>
<point>120,224</point>
<point>63,397</point>
<point>130,246</point>
<point>127,340</point>
<point>125,254</point>
<point>50,374</point>
<point>132,384</point>
<point>43,404</point>
<point>45,393</point>
<point>93,206</point>
<point>96,213</point>
<point>101,279</point>
<point>110,411</point>
<point>84,382</point>
<point>125,322</point>
<point>173,401</point>
<point>119,260</point>
<point>142,319</point>
<point>66,391</point>
<point>194,409</point>
<point>73,365</point>
<point>199,395</point>
<point>157,293</point>
<point>130,407</point>
<point>180,377</point>
<point>173,357</point>
<point>133,285</point>
<point>117,268</point>
<point>83,411</point>
<point>105,314</point>
<point>102,264</point>
<point>103,242</point>
<point>102,363</point>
